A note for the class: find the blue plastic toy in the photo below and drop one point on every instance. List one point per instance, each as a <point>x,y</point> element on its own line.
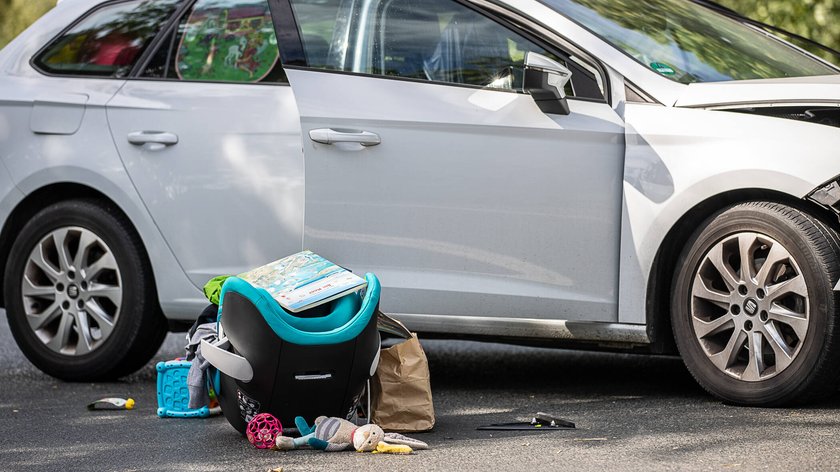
<point>172,393</point>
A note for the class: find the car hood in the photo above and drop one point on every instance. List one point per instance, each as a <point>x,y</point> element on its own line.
<point>799,90</point>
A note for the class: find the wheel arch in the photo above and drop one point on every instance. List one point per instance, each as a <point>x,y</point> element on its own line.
<point>657,308</point>
<point>47,195</point>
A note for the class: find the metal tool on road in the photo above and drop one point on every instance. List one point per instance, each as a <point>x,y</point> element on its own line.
<point>540,422</point>
<point>112,404</point>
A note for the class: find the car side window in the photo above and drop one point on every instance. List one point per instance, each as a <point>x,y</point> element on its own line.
<point>220,41</point>
<point>107,42</point>
<point>435,40</point>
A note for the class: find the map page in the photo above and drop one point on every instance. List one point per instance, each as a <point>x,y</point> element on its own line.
<point>304,280</point>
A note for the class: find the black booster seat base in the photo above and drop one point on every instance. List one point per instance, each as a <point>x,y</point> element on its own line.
<point>305,364</point>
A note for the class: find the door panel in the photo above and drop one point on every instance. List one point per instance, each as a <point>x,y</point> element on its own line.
<point>473,203</point>
<point>219,167</point>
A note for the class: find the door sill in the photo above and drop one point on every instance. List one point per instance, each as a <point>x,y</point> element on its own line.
<point>526,328</point>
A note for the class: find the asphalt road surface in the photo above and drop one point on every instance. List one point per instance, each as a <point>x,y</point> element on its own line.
<point>632,412</point>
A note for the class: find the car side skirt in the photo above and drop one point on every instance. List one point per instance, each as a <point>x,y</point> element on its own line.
<point>526,328</point>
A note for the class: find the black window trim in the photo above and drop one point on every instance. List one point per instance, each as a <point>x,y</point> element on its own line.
<point>159,39</point>
<point>33,62</point>
<point>289,39</point>
<point>493,11</point>
<point>171,25</point>
<point>647,99</point>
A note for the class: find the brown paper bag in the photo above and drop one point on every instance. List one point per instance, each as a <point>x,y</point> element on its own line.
<point>400,390</point>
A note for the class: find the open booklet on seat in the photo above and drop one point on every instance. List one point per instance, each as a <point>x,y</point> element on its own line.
<point>304,280</point>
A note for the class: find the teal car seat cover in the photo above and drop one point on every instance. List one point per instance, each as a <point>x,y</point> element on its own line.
<point>349,315</point>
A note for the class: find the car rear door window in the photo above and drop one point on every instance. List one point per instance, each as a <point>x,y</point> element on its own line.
<point>220,41</point>
<point>434,40</point>
<point>108,41</point>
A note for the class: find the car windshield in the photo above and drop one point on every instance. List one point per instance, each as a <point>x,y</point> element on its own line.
<point>689,43</point>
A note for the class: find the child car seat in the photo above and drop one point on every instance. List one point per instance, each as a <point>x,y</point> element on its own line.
<point>272,361</point>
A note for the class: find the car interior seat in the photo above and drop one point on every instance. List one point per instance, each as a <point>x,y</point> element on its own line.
<point>471,51</point>
<point>410,32</point>
<point>316,362</point>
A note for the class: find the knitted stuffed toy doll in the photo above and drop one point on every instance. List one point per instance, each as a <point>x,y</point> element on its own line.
<point>336,434</point>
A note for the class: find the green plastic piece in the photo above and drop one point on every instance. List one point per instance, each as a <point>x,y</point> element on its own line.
<point>213,288</point>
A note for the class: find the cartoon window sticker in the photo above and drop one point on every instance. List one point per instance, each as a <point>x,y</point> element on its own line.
<point>228,41</point>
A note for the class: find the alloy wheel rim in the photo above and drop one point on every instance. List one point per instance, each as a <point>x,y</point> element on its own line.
<point>749,306</point>
<point>72,291</point>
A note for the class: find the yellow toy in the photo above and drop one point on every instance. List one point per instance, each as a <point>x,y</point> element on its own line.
<point>385,448</point>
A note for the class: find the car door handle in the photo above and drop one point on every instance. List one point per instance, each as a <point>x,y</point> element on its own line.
<point>331,136</point>
<point>152,137</point>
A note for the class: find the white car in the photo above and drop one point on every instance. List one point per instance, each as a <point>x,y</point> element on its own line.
<point>589,173</point>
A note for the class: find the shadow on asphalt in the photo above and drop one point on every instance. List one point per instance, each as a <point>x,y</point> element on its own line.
<point>472,365</point>
<point>488,366</point>
<point>606,394</point>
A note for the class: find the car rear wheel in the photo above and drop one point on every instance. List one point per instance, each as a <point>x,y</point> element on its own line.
<point>754,310</point>
<point>79,295</point>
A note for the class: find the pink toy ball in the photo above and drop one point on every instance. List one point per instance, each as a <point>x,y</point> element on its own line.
<point>263,430</point>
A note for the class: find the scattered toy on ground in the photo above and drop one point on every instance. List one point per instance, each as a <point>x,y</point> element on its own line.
<point>336,434</point>
<point>112,404</point>
<point>263,429</point>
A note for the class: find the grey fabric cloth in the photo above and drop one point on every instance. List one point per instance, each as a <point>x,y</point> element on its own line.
<point>197,378</point>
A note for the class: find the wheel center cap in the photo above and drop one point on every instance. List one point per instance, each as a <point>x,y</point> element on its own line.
<point>751,306</point>
<point>72,291</point>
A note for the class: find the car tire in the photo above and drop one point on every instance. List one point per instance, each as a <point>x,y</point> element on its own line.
<point>87,311</point>
<point>756,335</point>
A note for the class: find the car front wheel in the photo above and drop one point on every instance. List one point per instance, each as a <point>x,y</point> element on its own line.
<point>754,311</point>
<point>79,294</point>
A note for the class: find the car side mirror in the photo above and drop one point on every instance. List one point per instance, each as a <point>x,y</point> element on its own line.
<point>545,80</point>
